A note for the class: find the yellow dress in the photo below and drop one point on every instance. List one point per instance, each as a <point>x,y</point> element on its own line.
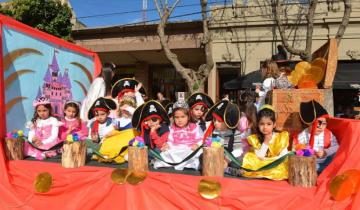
<point>251,161</point>
<point>112,145</point>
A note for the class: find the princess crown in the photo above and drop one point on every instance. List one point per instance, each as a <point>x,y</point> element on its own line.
<point>41,101</point>
<point>180,104</point>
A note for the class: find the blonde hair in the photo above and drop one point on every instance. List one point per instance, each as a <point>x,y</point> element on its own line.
<point>271,69</point>
<point>128,101</point>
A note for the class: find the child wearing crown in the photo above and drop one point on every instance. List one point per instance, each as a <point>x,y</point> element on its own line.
<point>44,130</point>
<point>317,136</point>
<point>184,138</point>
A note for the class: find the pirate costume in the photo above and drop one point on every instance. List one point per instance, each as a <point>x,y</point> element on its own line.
<point>261,155</point>
<point>111,147</point>
<point>152,110</point>
<point>310,112</point>
<point>180,141</point>
<point>205,101</point>
<point>232,139</point>
<point>127,85</point>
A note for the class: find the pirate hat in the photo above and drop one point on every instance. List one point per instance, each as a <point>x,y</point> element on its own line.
<point>101,103</point>
<point>311,110</point>
<point>148,110</point>
<point>200,99</point>
<point>169,109</point>
<point>123,85</point>
<point>225,110</point>
<point>165,102</point>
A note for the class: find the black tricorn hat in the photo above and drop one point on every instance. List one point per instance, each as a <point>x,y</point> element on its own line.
<point>200,98</point>
<point>150,108</point>
<point>125,84</point>
<point>169,109</point>
<point>165,102</point>
<point>310,111</point>
<point>227,111</point>
<point>101,103</point>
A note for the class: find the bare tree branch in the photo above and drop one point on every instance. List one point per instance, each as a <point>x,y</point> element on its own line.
<point>173,6</point>
<point>158,8</point>
<point>345,21</point>
<point>310,27</point>
<point>289,48</point>
<point>206,39</point>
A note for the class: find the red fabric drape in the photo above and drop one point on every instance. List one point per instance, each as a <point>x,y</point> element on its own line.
<point>92,188</point>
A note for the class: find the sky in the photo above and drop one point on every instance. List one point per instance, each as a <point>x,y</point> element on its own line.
<point>97,13</point>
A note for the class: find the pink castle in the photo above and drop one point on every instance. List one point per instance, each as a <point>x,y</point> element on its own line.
<point>56,87</point>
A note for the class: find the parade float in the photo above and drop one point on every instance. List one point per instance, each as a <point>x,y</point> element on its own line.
<point>29,56</point>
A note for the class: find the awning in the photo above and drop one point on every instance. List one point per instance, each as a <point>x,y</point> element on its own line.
<point>347,73</point>
<point>243,82</point>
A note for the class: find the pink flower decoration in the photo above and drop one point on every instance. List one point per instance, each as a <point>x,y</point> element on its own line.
<point>299,153</point>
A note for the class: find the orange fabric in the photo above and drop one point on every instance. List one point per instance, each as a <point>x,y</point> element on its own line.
<point>92,188</point>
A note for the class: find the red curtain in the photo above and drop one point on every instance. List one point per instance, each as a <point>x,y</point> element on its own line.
<point>92,187</point>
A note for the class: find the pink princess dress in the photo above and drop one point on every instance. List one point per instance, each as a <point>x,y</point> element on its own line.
<point>180,141</point>
<point>47,131</point>
<point>77,126</point>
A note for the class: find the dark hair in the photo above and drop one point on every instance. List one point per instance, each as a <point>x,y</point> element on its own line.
<point>250,112</point>
<point>73,105</point>
<point>35,117</point>
<point>192,118</point>
<point>186,112</point>
<point>106,74</point>
<point>264,113</point>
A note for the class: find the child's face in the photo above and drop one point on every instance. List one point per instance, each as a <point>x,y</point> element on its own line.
<point>197,112</point>
<point>180,119</point>
<point>124,111</point>
<point>321,125</point>
<point>70,112</point>
<point>42,112</point>
<point>220,126</point>
<point>266,126</point>
<point>101,116</point>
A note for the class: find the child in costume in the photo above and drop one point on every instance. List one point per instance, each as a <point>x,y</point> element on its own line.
<point>152,121</point>
<point>72,124</point>
<point>269,73</point>
<point>169,111</point>
<point>317,136</point>
<point>126,110</point>
<point>199,104</point>
<point>113,143</point>
<point>101,125</point>
<point>184,138</point>
<point>44,130</point>
<point>225,118</point>
<point>128,87</point>
<point>266,147</point>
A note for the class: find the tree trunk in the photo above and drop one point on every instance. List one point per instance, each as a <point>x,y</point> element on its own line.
<point>14,148</point>
<point>138,159</point>
<point>213,161</point>
<point>74,154</point>
<point>302,171</point>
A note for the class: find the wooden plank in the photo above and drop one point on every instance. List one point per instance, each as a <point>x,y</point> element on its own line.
<point>287,105</point>
<point>329,51</point>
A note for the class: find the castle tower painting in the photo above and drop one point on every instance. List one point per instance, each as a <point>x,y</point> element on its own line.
<point>56,87</point>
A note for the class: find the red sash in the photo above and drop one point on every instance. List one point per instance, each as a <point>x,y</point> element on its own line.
<point>327,138</point>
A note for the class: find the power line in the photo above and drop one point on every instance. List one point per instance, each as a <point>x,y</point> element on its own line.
<point>191,5</point>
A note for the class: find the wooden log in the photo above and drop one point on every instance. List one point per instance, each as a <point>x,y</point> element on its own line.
<point>302,171</point>
<point>14,148</point>
<point>74,154</point>
<point>213,161</point>
<point>138,158</point>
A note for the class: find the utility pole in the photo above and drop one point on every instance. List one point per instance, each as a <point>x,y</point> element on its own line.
<point>144,8</point>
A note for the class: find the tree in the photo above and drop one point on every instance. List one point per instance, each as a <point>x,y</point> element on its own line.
<point>195,79</point>
<point>306,53</point>
<point>50,16</point>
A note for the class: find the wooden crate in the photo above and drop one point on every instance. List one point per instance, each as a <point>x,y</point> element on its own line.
<point>287,105</point>
<point>287,102</point>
